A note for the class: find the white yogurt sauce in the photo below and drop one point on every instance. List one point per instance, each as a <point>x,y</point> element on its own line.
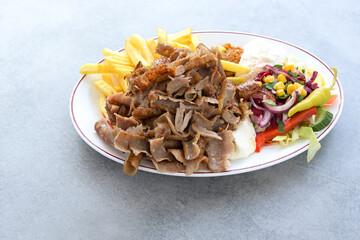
<point>244,137</point>
<point>258,53</point>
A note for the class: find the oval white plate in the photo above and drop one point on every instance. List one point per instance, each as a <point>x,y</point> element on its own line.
<point>84,110</point>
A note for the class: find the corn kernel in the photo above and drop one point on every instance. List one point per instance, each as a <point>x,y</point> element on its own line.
<point>288,67</point>
<point>258,82</point>
<point>269,79</point>
<point>280,92</point>
<point>303,92</point>
<point>291,88</point>
<point>279,85</point>
<point>298,85</point>
<point>281,78</point>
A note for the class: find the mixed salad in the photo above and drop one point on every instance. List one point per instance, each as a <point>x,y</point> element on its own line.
<point>291,104</point>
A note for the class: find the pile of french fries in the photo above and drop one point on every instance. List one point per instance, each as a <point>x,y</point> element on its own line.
<point>119,64</point>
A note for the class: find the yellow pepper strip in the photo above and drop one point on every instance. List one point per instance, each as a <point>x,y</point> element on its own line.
<point>234,67</point>
<point>317,98</point>
<point>237,80</point>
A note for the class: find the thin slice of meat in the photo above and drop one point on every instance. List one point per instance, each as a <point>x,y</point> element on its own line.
<point>121,99</point>
<point>193,165</point>
<point>131,164</point>
<point>194,75</point>
<point>105,131</point>
<point>165,103</point>
<point>204,132</point>
<point>125,122</point>
<point>190,165</point>
<point>191,148</point>
<point>176,84</point>
<point>172,143</point>
<point>145,112</point>
<point>172,166</point>
<point>158,150</point>
<point>181,121</point>
<point>200,100</point>
<point>164,49</point>
<point>145,80</point>
<point>161,61</point>
<point>248,89</point>
<point>136,130</point>
<point>201,85</point>
<point>219,151</point>
<point>162,130</point>
<point>209,111</point>
<point>229,117</point>
<point>190,94</point>
<point>227,93</point>
<point>111,110</point>
<point>201,121</point>
<point>127,142</point>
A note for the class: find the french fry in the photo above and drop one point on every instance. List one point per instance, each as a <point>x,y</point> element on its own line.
<point>237,80</point>
<point>119,60</point>
<point>178,45</point>
<point>139,43</point>
<point>119,79</point>
<point>107,78</point>
<point>102,104</point>
<point>234,67</point>
<point>123,70</point>
<point>162,35</point>
<point>104,87</point>
<point>109,52</point>
<point>182,37</point>
<point>151,43</point>
<point>95,68</point>
<point>194,41</point>
<point>135,54</point>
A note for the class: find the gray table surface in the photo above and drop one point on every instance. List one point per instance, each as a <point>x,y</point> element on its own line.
<point>54,186</point>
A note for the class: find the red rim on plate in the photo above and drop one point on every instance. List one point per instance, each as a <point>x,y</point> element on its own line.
<point>231,171</point>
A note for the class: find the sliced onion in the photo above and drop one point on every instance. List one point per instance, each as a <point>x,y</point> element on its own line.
<point>313,77</point>
<point>282,108</point>
<point>261,129</point>
<point>280,71</point>
<point>255,105</point>
<point>300,75</point>
<point>266,119</point>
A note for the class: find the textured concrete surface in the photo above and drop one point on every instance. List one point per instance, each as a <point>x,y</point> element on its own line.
<point>54,186</point>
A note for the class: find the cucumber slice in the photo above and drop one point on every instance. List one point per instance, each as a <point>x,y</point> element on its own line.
<point>322,119</point>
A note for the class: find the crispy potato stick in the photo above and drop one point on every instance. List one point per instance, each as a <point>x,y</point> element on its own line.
<point>139,42</point>
<point>162,35</point>
<point>194,41</point>
<point>95,68</point>
<point>119,60</point>
<point>234,67</point>
<point>178,45</point>
<point>123,54</point>
<point>135,54</point>
<point>102,104</point>
<point>115,83</point>
<point>151,43</point>
<point>182,37</point>
<point>123,70</point>
<point>120,80</point>
<point>104,87</point>
<point>107,78</point>
<point>237,80</point>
